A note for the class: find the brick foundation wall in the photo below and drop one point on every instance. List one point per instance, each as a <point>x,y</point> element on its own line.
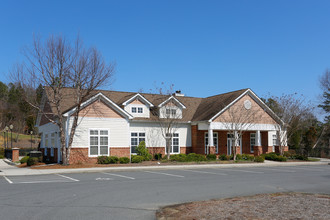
<point>80,155</point>
<point>120,151</point>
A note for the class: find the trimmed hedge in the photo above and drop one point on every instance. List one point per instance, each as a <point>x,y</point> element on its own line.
<point>178,157</point>
<point>259,159</point>
<point>112,159</point>
<point>137,159</point>
<point>102,160</point>
<point>211,157</point>
<point>24,159</point>
<point>274,156</point>
<point>124,160</point>
<point>195,157</point>
<point>32,161</point>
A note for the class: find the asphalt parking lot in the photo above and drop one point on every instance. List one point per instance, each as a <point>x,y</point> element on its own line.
<point>138,194</point>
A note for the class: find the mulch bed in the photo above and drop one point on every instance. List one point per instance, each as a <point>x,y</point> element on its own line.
<point>144,163</point>
<point>263,206</point>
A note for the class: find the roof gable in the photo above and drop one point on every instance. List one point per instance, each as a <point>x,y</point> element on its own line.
<point>139,97</point>
<point>106,100</point>
<point>172,98</point>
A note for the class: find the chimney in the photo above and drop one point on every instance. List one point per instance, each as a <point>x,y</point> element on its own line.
<point>178,93</point>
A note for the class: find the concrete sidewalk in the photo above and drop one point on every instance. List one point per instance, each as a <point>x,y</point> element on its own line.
<point>9,170</point>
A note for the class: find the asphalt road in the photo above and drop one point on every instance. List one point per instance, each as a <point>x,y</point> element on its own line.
<point>137,195</point>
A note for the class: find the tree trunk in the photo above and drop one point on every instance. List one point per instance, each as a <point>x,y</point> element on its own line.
<point>168,147</point>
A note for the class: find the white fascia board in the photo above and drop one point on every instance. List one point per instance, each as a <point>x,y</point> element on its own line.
<point>94,98</point>
<point>226,126</point>
<point>134,97</point>
<point>172,97</point>
<point>224,109</point>
<point>257,99</point>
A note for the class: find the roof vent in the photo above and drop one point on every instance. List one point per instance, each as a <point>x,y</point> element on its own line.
<point>178,93</point>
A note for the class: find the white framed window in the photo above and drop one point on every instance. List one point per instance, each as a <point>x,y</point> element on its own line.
<point>133,109</point>
<point>136,138</point>
<point>252,141</point>
<point>140,110</point>
<point>175,144</point>
<point>46,144</point>
<point>215,141</point>
<point>52,144</point>
<point>98,142</point>
<point>170,112</point>
<point>275,142</point>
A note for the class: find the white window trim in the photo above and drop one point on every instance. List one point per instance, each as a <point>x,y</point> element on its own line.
<point>46,145</point>
<point>51,145</point>
<point>215,135</point>
<point>135,108</point>
<point>130,140</point>
<point>255,135</point>
<point>172,145</point>
<point>89,141</point>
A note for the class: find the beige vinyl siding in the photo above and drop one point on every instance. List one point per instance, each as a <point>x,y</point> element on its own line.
<point>154,136</point>
<point>118,131</point>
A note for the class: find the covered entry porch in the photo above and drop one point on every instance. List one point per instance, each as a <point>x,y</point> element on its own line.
<point>211,139</point>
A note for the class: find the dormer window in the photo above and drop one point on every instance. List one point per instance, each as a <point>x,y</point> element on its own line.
<point>133,109</point>
<point>170,112</point>
<point>138,110</point>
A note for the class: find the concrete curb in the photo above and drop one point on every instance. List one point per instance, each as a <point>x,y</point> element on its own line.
<point>28,171</point>
<point>9,162</point>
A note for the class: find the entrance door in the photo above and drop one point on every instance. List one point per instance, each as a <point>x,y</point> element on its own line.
<point>231,143</point>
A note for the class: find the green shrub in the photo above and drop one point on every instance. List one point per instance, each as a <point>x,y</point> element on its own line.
<point>211,157</point>
<point>178,157</point>
<point>102,160</point>
<point>301,157</point>
<point>247,157</point>
<point>223,157</point>
<point>32,161</point>
<point>2,153</point>
<point>238,157</point>
<point>259,159</point>
<point>141,150</point>
<point>158,156</point>
<point>24,159</point>
<point>137,158</point>
<point>112,159</point>
<point>195,157</point>
<point>124,160</point>
<point>274,156</point>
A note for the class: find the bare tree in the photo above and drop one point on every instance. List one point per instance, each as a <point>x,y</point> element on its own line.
<point>237,119</point>
<point>168,114</point>
<point>57,64</point>
<point>293,112</point>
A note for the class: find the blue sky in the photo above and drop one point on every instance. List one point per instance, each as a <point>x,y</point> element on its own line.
<point>202,47</point>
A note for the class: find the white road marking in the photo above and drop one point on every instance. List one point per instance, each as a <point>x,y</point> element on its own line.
<point>128,177</point>
<point>46,181</point>
<point>9,181</point>
<point>163,173</point>
<point>100,178</point>
<point>198,171</point>
<point>246,171</point>
<point>68,177</point>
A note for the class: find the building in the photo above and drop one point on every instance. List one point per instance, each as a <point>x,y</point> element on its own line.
<point>113,123</point>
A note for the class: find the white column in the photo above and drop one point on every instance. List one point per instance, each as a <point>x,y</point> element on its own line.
<point>258,138</point>
<point>210,137</point>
